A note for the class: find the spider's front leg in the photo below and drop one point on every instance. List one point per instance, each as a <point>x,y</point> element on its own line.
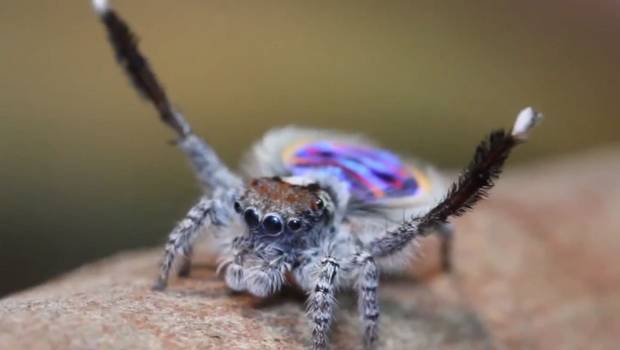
<point>180,241</point>
<point>322,302</point>
<point>367,301</point>
<point>322,299</point>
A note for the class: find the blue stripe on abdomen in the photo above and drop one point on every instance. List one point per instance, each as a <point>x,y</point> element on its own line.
<point>371,173</point>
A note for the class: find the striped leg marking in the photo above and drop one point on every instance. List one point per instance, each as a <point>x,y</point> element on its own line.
<point>181,239</point>
<point>322,303</point>
<point>367,302</point>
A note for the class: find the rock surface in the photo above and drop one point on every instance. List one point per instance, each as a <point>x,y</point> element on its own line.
<point>537,267</point>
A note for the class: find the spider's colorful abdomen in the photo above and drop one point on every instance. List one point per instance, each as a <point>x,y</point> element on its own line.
<point>371,173</point>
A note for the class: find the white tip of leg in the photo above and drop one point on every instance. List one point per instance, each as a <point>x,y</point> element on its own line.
<point>526,120</point>
<point>100,6</point>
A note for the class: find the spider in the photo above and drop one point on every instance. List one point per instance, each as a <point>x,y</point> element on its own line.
<point>317,209</point>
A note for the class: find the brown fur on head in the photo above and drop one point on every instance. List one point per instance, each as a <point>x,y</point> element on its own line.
<point>298,207</point>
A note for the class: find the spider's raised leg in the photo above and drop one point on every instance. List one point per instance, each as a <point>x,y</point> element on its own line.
<point>209,169</point>
<point>322,302</point>
<point>471,186</point>
<point>182,237</point>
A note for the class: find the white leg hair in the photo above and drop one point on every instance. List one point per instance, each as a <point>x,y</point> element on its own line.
<point>367,302</point>
<point>322,302</point>
<point>327,275</point>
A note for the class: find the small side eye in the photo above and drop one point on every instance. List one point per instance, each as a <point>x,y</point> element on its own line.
<point>238,207</point>
<point>251,217</point>
<point>294,224</point>
<point>319,203</point>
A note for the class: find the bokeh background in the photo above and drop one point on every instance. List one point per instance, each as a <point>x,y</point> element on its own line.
<point>85,167</point>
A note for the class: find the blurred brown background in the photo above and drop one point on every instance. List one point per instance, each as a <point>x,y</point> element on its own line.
<point>85,169</point>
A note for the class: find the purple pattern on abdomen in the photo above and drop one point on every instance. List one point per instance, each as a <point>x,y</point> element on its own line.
<point>371,173</point>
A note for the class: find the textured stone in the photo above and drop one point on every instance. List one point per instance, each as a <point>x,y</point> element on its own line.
<point>537,267</point>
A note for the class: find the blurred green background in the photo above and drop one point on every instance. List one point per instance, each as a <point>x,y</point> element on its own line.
<point>85,168</point>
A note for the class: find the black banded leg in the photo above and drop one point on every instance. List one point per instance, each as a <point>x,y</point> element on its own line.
<point>322,303</point>
<point>446,240</point>
<point>181,239</point>
<point>211,172</point>
<point>472,185</point>
<point>367,302</point>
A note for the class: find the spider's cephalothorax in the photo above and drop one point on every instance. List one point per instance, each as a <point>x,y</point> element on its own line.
<point>316,208</point>
<point>282,221</point>
<point>276,210</point>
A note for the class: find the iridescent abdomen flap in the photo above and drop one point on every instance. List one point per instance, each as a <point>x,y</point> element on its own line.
<point>371,173</point>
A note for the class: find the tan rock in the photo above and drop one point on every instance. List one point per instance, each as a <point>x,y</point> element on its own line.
<point>537,267</point>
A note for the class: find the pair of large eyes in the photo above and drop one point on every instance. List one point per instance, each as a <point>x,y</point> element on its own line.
<point>272,223</point>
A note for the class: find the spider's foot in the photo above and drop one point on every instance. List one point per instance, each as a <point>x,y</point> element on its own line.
<point>185,270</point>
<point>159,286</point>
<point>446,265</point>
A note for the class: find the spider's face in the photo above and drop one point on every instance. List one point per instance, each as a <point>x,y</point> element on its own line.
<point>273,208</point>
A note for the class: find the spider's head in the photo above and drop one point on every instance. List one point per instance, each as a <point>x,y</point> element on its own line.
<point>273,208</point>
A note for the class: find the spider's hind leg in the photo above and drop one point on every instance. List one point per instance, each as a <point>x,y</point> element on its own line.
<point>446,240</point>
<point>210,170</point>
<point>471,186</point>
<point>185,267</point>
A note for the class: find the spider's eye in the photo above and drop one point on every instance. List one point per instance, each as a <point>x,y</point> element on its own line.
<point>272,224</point>
<point>294,224</point>
<point>251,217</point>
<point>238,207</point>
<point>319,203</point>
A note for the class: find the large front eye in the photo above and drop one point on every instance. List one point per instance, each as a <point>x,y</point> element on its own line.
<point>272,224</point>
<point>251,217</point>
